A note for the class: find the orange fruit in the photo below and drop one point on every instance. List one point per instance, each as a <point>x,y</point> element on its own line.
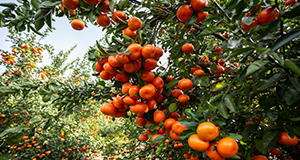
<point>150,64</point>
<point>119,14</point>
<point>259,157</point>
<point>140,121</point>
<point>290,2</point>
<point>201,16</point>
<point>174,136</point>
<point>227,147</point>
<point>168,123</point>
<point>183,98</point>
<point>285,139</point>
<point>151,104</point>
<point>126,87</point>
<point>199,73</point>
<point>197,143</point>
<point>113,61</point>
<point>98,67</point>
<point>106,8</point>
<point>70,4</point>
<point>184,13</point>
<point>134,23</point>
<point>131,67</point>
<point>275,151</point>
<point>185,84</point>
<point>109,69</point>
<point>156,135</point>
<point>92,2</point>
<point>147,76</point>
<point>108,109</point>
<point>267,15</point>
<point>248,27</point>
<point>128,32</point>
<point>148,51</point>
<point>119,114</point>
<point>197,4</point>
<point>147,91</point>
<point>174,115</point>
<point>117,103</point>
<point>122,58</point>
<point>178,128</point>
<point>176,93</point>
<point>187,155</point>
<point>213,154</point>
<point>220,70</point>
<point>139,107</point>
<point>128,100</point>
<point>158,52</point>
<point>207,131</point>
<point>194,158</point>
<point>103,20</point>
<point>143,137</point>
<point>204,60</point>
<point>187,48</point>
<point>122,77</point>
<point>169,79</point>
<point>135,51</point>
<point>134,90</point>
<point>159,116</point>
<point>158,83</point>
<point>105,75</point>
<point>77,24</point>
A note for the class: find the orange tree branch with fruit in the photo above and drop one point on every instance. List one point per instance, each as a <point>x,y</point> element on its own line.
<point>231,85</point>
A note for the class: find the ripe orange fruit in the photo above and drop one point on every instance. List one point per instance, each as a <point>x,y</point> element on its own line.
<point>126,87</point>
<point>134,23</point>
<point>139,107</point>
<point>128,32</point>
<point>187,155</point>
<point>197,4</point>
<point>168,123</point>
<point>106,8</point>
<point>185,84</point>
<point>197,143</point>
<point>151,104</point>
<point>134,90</point>
<point>248,27</point>
<point>150,64</point>
<point>285,139</point>
<point>119,14</point>
<point>187,48</point>
<point>143,137</point>
<point>218,50</point>
<point>259,157</point>
<point>119,114</point>
<point>105,75</point>
<point>122,58</point>
<point>158,83</point>
<point>178,128</point>
<point>204,60</point>
<point>158,52</point>
<point>108,109</point>
<point>140,121</point>
<point>290,2</point>
<point>147,91</point>
<point>183,98</point>
<point>70,4</point>
<point>199,73</point>
<point>92,2</point>
<point>176,93</point>
<point>220,70</point>
<point>103,20</point>
<point>267,15</point>
<point>227,147</point>
<point>135,51</point>
<point>184,13</point>
<point>159,116</point>
<point>169,79</point>
<point>174,136</point>
<point>174,115</point>
<point>207,131</point>
<point>131,67</point>
<point>98,67</point>
<point>109,69</point>
<point>128,100</point>
<point>213,154</point>
<point>275,151</point>
<point>147,76</point>
<point>148,51</point>
<point>117,103</point>
<point>77,24</point>
<point>156,135</point>
<point>122,77</point>
<point>201,16</point>
<point>194,158</point>
<point>113,61</point>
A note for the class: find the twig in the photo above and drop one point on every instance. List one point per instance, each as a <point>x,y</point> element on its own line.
<point>222,10</point>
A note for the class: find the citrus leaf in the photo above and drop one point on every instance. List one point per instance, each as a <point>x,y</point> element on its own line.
<point>270,138</point>
<point>172,83</point>
<point>285,39</point>
<point>14,130</point>
<point>268,82</point>
<point>229,102</point>
<point>210,30</point>
<point>221,108</point>
<point>292,66</point>
<point>255,66</point>
<point>186,134</point>
<point>219,86</point>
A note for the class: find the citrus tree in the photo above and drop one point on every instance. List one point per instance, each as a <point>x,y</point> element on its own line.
<point>229,87</point>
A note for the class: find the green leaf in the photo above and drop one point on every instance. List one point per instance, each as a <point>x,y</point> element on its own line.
<point>292,66</point>
<point>255,66</point>
<point>234,136</point>
<point>222,109</point>
<point>291,95</point>
<point>220,122</point>
<point>268,82</point>
<point>50,4</point>
<point>172,83</point>
<point>229,102</point>
<point>271,26</point>
<point>289,129</point>
<point>35,4</point>
<point>219,86</point>
<point>211,107</point>
<point>244,51</point>
<point>34,120</point>
<point>292,13</point>
<point>172,107</point>
<point>48,20</point>
<point>259,146</point>
<point>158,139</point>
<point>285,39</point>
<point>210,30</point>
<point>191,114</point>
<point>38,24</point>
<point>263,51</point>
<point>10,5</point>
<point>186,134</point>
<point>6,157</point>
<point>272,115</point>
<point>214,67</point>
<point>192,19</point>
<point>247,20</point>
<point>270,138</point>
<point>295,119</point>
<point>14,130</point>
<point>204,81</point>
<point>101,48</point>
<point>7,90</point>
<point>296,82</point>
<point>188,122</point>
<point>47,98</point>
<point>111,5</point>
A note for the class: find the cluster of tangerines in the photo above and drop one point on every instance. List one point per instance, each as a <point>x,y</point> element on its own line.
<point>184,12</point>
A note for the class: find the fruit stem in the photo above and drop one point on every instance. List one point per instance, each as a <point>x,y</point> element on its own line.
<point>222,10</point>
